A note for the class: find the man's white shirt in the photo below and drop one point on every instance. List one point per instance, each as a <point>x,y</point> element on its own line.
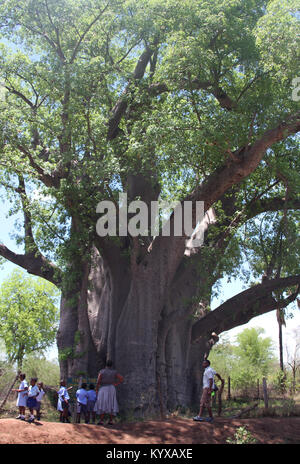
<point>208,374</point>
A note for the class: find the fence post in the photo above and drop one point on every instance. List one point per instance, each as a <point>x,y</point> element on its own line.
<point>228,390</point>
<point>265,390</point>
<point>220,397</point>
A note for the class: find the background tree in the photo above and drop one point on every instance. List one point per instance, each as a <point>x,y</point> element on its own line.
<point>272,250</point>
<point>250,359</point>
<point>293,360</point>
<point>28,316</point>
<point>255,354</point>
<point>182,101</point>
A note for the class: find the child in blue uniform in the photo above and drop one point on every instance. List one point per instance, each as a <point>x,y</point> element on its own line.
<point>82,399</point>
<point>33,392</point>
<point>92,397</point>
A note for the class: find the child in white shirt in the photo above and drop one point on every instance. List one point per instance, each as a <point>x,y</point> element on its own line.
<point>82,399</point>
<point>63,402</point>
<point>39,400</point>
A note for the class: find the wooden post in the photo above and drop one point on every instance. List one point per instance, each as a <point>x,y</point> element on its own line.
<point>220,391</point>
<point>258,389</point>
<point>265,390</point>
<point>228,390</point>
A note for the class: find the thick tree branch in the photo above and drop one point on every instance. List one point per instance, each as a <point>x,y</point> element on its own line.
<point>231,173</point>
<point>195,84</point>
<point>21,95</point>
<point>122,104</point>
<point>241,308</point>
<point>254,208</point>
<point>50,180</point>
<point>30,245</point>
<point>35,264</point>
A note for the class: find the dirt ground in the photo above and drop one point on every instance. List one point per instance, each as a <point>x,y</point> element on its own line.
<point>171,431</point>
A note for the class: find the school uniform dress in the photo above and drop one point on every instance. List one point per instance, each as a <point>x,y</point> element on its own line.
<point>33,391</point>
<point>62,393</point>
<point>22,396</point>
<point>92,397</point>
<point>82,399</point>
<point>107,399</point>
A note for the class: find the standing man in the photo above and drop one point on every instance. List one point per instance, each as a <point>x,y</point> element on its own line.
<point>208,386</point>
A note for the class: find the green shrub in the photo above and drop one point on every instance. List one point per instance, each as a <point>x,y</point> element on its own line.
<point>242,437</point>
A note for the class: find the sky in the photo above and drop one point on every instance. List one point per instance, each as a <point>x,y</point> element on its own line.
<point>267,321</point>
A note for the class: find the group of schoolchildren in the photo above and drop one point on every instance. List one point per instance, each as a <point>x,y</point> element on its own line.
<point>31,397</point>
<point>86,400</point>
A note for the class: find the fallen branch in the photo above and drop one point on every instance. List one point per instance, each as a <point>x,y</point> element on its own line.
<point>243,411</point>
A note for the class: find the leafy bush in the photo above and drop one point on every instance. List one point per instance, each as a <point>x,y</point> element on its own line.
<point>250,359</point>
<point>242,437</point>
<point>46,371</point>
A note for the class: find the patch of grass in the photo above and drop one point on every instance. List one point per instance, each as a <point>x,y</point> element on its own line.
<point>281,407</point>
<point>48,412</point>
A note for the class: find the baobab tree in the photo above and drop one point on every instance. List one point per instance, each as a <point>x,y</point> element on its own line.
<point>186,101</point>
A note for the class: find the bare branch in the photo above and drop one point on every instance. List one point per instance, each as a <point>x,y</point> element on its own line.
<point>86,32</point>
<point>21,95</point>
<point>121,106</point>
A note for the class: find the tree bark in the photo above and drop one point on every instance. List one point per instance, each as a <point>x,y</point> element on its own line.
<point>131,311</point>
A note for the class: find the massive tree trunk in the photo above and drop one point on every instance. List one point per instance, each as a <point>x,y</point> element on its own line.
<point>151,328</point>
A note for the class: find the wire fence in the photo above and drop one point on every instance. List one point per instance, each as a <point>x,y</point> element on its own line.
<point>255,391</point>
